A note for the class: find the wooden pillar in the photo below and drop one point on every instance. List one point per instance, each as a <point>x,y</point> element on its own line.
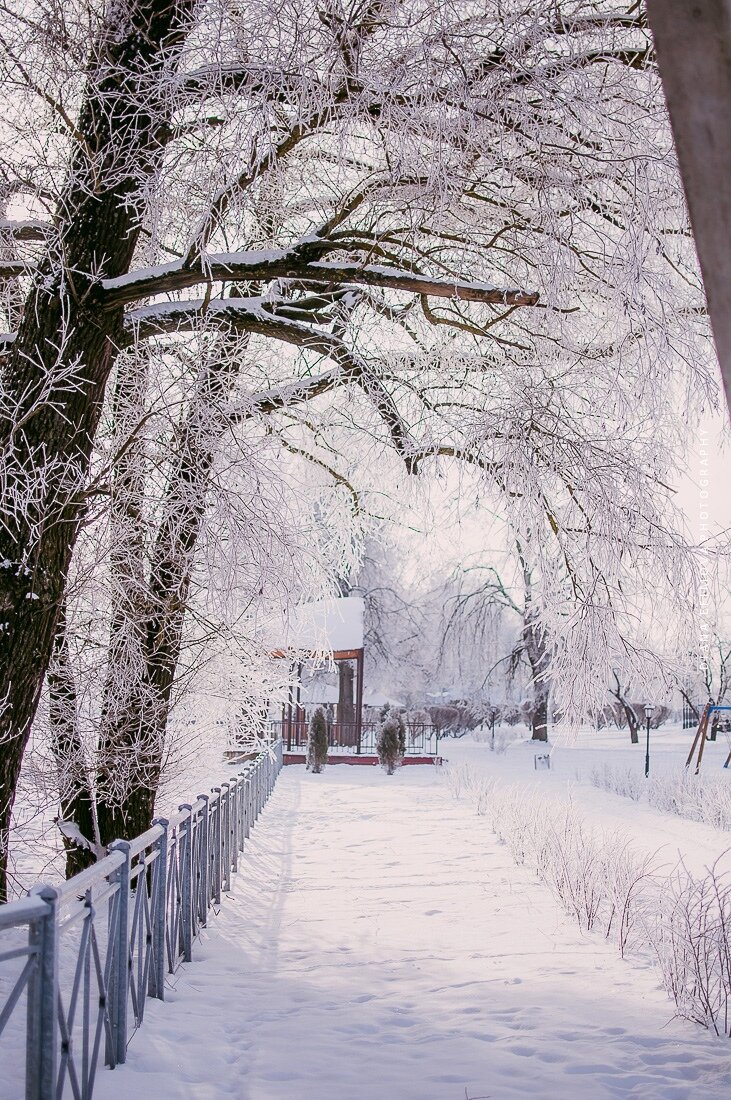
<point>359,669</point>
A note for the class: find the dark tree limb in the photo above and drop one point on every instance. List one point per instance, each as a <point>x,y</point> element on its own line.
<point>261,268</point>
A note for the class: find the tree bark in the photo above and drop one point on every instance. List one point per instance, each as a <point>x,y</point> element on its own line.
<point>629,712</point>
<point>539,714</point>
<point>64,351</point>
<point>691,705</point>
<point>75,795</point>
<point>539,659</point>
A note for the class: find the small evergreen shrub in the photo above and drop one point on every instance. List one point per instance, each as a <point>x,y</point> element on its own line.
<point>401,735</point>
<point>386,713</point>
<point>390,743</point>
<point>317,742</point>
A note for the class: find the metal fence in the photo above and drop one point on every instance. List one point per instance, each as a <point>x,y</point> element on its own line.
<point>422,739</point>
<point>86,955</point>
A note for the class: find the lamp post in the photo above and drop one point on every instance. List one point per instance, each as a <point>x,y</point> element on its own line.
<point>648,715</point>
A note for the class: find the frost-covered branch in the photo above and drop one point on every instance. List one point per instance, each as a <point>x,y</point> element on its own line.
<point>263,267</point>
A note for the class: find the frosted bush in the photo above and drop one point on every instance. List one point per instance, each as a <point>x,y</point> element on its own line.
<point>632,883</point>
<point>498,741</point>
<point>459,778</point>
<point>693,946</point>
<point>464,781</point>
<point>569,863</point>
<point>623,781</point>
<point>705,798</point>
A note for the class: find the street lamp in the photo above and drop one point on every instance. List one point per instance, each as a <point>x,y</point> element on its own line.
<point>648,715</point>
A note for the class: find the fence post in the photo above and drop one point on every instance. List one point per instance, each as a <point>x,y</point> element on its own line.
<point>119,974</point>
<point>244,806</point>
<point>242,811</point>
<point>247,804</point>
<point>217,850</point>
<point>156,983</point>
<point>226,836</point>
<point>185,856</point>
<point>204,888</point>
<point>41,1031</point>
<point>233,797</point>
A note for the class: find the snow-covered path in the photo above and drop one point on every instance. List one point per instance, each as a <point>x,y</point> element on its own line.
<point>379,943</point>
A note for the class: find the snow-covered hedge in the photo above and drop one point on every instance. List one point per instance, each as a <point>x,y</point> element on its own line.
<point>608,886</point>
<point>703,797</point>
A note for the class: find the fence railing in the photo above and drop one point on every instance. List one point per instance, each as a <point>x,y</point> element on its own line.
<point>87,954</point>
<point>422,739</point>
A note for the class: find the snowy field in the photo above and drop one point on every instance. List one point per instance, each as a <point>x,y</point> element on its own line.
<point>380,942</point>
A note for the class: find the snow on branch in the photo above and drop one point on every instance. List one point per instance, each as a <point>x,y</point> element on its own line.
<point>254,314</point>
<point>13,269</point>
<point>278,85</point>
<point>263,266</point>
<point>29,229</point>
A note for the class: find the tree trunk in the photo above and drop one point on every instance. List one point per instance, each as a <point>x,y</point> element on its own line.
<point>122,751</point>
<point>63,353</point>
<point>149,631</point>
<point>539,714</point>
<point>691,706</point>
<point>537,652</point>
<point>75,795</point>
<point>539,658</point>
<point>633,721</point>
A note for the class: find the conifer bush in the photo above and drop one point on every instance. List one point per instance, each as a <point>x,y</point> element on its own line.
<point>386,712</point>
<point>317,742</point>
<point>391,742</point>
<point>401,734</point>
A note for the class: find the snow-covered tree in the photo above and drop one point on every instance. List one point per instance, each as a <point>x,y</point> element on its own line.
<point>390,742</point>
<point>317,741</point>
<point>408,235</point>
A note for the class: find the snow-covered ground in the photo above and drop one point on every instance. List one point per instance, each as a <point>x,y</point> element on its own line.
<point>380,942</point>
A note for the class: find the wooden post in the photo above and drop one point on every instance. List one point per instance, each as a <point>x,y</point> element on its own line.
<point>700,738</point>
<point>359,670</point>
